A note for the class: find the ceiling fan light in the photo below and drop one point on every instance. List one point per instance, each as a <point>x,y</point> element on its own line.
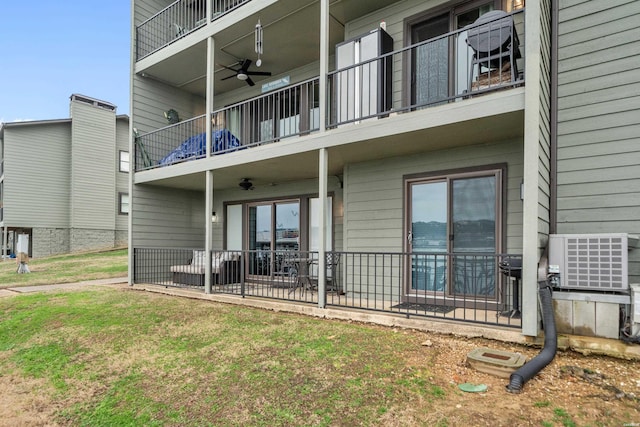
<point>242,76</point>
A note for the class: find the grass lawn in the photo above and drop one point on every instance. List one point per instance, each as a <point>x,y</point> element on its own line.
<point>65,269</point>
<point>117,358</point>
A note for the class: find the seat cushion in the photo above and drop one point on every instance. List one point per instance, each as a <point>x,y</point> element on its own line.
<point>191,269</point>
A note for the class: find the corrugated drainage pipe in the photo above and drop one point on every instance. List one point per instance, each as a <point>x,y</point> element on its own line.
<point>535,365</point>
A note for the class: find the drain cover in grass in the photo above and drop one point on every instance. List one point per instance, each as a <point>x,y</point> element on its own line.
<point>473,388</point>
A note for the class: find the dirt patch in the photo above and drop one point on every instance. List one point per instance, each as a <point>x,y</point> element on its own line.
<point>577,389</point>
<point>22,405</point>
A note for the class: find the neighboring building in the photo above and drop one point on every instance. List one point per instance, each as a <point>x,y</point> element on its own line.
<point>65,182</point>
<point>431,140</point>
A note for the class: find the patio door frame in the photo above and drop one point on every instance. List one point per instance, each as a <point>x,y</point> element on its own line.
<point>449,176</point>
<point>305,217</point>
<point>272,203</point>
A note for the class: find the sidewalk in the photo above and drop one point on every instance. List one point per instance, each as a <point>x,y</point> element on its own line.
<point>61,286</point>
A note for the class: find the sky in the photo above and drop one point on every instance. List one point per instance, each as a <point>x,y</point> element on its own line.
<point>52,49</point>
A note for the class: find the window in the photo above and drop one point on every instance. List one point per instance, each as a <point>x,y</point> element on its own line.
<point>123,203</point>
<point>124,162</point>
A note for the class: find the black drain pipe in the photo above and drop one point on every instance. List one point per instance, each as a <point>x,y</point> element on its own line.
<point>535,365</point>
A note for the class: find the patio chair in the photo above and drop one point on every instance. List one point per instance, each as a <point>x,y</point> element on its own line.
<point>179,30</point>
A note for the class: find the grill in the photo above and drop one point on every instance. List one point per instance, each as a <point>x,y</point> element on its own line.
<point>512,267</point>
<point>495,44</point>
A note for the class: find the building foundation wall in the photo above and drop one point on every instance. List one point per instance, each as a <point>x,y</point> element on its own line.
<point>49,241</point>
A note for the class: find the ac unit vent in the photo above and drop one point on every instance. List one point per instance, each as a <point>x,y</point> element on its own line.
<point>593,262</point>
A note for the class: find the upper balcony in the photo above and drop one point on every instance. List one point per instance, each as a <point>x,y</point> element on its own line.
<point>453,67</point>
<point>400,79</point>
<point>177,20</point>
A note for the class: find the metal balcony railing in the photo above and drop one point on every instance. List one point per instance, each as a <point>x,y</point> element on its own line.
<point>172,144</point>
<point>447,68</point>
<point>177,20</point>
<point>270,117</point>
<point>470,287</point>
<point>294,110</point>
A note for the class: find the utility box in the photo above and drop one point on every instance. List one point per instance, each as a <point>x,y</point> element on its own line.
<point>593,282</point>
<point>592,262</point>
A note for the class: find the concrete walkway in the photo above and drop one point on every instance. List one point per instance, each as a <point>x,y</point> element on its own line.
<point>61,286</point>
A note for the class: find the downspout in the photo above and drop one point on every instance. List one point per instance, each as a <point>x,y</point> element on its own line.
<point>535,365</point>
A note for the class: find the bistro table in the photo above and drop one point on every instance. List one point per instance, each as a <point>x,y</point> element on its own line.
<point>303,279</point>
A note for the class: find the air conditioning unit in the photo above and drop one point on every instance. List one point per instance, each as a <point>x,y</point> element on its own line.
<point>592,262</point>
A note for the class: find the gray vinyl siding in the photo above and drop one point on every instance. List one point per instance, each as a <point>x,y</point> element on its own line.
<point>544,131</point>
<point>374,201</point>
<point>599,119</point>
<point>152,99</point>
<point>148,8</point>
<point>167,218</point>
<point>122,178</point>
<point>37,174</point>
<point>93,167</point>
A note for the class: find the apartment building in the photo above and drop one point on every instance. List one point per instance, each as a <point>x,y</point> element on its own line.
<point>65,182</point>
<point>424,158</point>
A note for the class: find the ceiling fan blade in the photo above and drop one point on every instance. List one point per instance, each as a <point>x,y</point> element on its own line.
<point>249,81</point>
<point>228,77</point>
<point>258,73</point>
<point>245,65</point>
<point>228,68</point>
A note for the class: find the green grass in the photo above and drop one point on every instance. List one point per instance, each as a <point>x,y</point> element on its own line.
<point>66,268</point>
<point>149,360</point>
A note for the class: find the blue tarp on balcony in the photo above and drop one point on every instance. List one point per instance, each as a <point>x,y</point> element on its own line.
<point>195,147</point>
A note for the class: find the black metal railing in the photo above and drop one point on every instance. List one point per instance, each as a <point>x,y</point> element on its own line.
<point>175,143</point>
<point>177,20</point>
<point>447,68</point>
<point>470,287</point>
<point>443,69</point>
<point>261,120</point>
<point>273,116</point>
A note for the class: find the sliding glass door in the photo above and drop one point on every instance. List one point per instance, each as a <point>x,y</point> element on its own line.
<point>272,229</point>
<point>453,233</point>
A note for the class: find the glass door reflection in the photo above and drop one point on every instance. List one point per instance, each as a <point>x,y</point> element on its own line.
<point>428,236</point>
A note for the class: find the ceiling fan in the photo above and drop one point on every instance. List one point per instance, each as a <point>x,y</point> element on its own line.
<point>246,184</point>
<point>243,72</point>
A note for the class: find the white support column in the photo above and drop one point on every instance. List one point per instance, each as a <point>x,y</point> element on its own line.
<point>5,242</point>
<point>322,247</point>
<point>532,231</point>
<point>208,243</point>
<point>324,61</point>
<point>209,98</point>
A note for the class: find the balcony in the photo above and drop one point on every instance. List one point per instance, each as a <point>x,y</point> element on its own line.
<point>446,69</point>
<point>176,21</point>
<point>468,287</point>
<point>261,120</point>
